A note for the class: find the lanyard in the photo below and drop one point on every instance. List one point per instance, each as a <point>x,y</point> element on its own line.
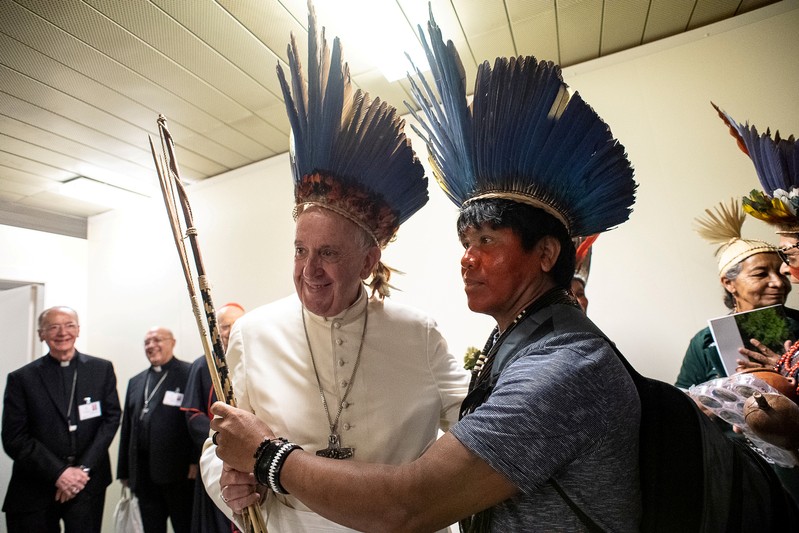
<point>149,395</point>
<point>72,427</point>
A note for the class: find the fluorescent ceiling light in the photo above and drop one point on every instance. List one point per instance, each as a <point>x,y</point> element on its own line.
<point>378,30</point>
<point>98,193</point>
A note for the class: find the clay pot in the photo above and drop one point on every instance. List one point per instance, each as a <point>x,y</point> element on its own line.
<point>786,386</point>
<point>774,418</point>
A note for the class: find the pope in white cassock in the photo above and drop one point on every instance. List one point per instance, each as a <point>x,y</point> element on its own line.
<point>337,368</point>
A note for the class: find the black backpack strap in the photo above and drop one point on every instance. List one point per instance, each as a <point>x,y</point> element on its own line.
<point>587,521</point>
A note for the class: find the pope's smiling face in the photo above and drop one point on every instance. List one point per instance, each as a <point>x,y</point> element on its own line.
<point>331,258</point>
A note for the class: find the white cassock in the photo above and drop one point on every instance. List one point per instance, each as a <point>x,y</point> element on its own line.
<point>407,387</point>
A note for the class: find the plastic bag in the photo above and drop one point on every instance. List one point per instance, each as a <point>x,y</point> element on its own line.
<point>127,517</point>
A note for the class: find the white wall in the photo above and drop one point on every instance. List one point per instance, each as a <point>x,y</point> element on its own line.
<point>59,262</point>
<point>245,235</point>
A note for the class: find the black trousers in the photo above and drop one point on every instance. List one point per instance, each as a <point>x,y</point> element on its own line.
<point>81,514</point>
<point>159,502</point>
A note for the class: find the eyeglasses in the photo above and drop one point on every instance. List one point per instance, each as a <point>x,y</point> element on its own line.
<point>156,340</point>
<point>792,259</point>
<point>52,329</point>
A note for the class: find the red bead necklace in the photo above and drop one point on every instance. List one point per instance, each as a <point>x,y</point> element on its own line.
<point>784,365</point>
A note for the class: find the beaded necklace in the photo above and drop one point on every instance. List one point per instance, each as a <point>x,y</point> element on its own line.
<point>486,362</point>
<point>784,365</point>
<point>481,383</point>
<point>481,386</point>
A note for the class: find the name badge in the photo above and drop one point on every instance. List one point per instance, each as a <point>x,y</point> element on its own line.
<point>89,410</point>
<point>173,398</point>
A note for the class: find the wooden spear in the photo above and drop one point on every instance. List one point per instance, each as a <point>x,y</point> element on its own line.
<point>175,194</point>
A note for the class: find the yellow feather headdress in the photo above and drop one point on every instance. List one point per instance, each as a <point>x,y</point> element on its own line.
<point>722,225</point>
<point>776,162</point>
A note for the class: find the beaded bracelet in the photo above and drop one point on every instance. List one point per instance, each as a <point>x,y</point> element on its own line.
<point>263,456</point>
<point>269,459</point>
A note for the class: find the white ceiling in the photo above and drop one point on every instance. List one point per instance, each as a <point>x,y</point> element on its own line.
<point>83,81</point>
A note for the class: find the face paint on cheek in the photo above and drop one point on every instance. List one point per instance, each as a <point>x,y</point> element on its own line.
<point>794,273</point>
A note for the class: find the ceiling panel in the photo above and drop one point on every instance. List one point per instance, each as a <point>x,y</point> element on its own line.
<point>623,23</point>
<point>10,196</point>
<point>144,100</point>
<point>486,26</point>
<point>275,114</point>
<point>579,30</point>
<point>47,201</point>
<point>23,184</point>
<point>534,27</point>
<point>269,25</point>
<point>233,40</point>
<point>490,44</point>
<point>667,17</point>
<point>14,175</point>
<point>710,11</point>
<point>121,45</point>
<point>83,81</point>
<point>36,168</point>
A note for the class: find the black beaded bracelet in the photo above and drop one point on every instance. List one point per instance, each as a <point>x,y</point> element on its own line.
<point>276,465</point>
<point>269,459</point>
<point>264,444</point>
<point>263,456</point>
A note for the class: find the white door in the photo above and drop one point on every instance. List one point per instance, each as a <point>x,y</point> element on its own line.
<point>19,309</point>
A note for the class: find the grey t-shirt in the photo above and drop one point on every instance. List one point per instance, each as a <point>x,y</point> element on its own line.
<point>564,407</point>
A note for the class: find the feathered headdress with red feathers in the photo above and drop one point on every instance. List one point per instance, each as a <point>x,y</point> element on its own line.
<point>777,165</point>
<point>582,264</point>
<point>349,153</point>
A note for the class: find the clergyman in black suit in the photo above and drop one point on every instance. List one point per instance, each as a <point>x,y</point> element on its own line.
<point>60,414</point>
<point>206,517</point>
<point>157,459</point>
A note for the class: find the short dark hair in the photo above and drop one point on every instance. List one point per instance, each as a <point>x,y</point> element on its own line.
<point>529,223</point>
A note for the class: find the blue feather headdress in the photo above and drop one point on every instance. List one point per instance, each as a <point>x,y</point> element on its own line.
<point>349,152</point>
<point>522,139</point>
<point>777,165</point>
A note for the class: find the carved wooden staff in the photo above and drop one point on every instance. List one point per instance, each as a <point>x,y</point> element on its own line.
<point>175,193</point>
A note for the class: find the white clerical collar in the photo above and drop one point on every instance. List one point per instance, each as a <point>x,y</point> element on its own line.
<point>351,314</point>
<point>156,368</point>
<point>63,363</point>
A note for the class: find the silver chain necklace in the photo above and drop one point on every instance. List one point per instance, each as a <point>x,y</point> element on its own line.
<point>149,395</point>
<point>334,449</point>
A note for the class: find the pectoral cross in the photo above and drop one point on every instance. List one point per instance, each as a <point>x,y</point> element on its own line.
<point>334,449</point>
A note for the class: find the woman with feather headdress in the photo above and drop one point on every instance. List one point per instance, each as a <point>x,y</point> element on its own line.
<point>749,273</point>
<point>753,276</point>
<point>776,162</point>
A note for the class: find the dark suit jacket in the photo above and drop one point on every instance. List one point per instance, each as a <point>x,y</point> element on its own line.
<point>36,434</point>
<point>206,516</point>
<point>170,448</point>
